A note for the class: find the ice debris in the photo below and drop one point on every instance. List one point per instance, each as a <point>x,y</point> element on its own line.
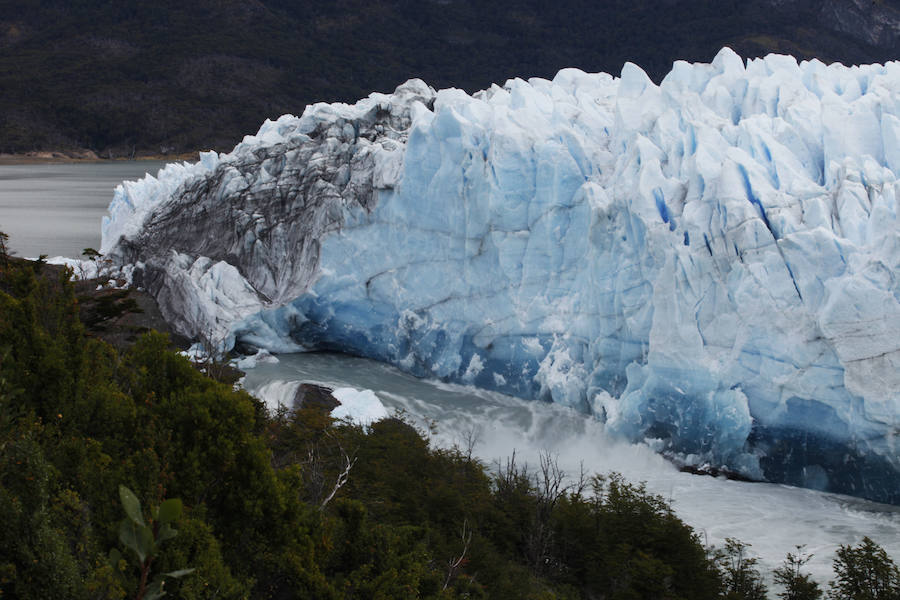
<point>358,406</point>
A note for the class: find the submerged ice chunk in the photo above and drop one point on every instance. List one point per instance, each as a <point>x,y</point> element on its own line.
<point>359,406</point>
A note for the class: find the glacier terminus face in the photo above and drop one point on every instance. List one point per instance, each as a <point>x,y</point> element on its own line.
<point>712,263</point>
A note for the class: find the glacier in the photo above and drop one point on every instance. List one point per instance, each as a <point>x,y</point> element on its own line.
<point>711,263</point>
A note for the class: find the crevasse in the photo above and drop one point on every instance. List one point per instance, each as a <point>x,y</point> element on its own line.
<point>711,263</point>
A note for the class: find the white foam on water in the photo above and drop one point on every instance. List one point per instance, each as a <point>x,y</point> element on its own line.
<point>276,394</point>
<point>772,518</point>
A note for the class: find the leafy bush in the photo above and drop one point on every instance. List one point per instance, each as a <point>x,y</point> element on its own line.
<point>741,579</point>
<point>864,572</point>
<point>797,585</point>
<point>144,540</point>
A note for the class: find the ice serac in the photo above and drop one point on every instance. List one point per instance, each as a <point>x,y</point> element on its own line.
<point>712,263</point>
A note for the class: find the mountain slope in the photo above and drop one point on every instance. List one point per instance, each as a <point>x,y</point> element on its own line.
<point>167,76</point>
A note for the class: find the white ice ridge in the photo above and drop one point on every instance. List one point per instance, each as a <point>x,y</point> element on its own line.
<point>712,261</point>
<point>133,201</point>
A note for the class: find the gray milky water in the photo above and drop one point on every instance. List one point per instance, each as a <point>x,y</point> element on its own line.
<point>56,209</point>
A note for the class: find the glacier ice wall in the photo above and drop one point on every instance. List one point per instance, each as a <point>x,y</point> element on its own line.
<point>712,263</point>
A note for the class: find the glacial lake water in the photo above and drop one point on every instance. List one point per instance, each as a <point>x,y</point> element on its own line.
<point>56,210</point>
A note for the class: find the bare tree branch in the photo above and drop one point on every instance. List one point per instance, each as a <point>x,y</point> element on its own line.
<point>342,477</point>
<point>471,439</point>
<point>453,565</point>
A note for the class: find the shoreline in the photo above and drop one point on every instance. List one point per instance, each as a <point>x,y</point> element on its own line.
<point>87,156</point>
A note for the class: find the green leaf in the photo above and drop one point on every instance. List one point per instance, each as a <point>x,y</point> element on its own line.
<point>114,557</point>
<point>129,535</point>
<point>166,532</point>
<point>139,539</point>
<point>170,510</point>
<point>145,535</point>
<point>179,573</point>
<point>131,504</point>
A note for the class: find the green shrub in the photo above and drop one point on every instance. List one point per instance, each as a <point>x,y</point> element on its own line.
<point>797,585</point>
<point>144,539</point>
<point>864,572</point>
<point>742,580</point>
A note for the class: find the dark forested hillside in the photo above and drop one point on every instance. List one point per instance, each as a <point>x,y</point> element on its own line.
<point>122,75</point>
